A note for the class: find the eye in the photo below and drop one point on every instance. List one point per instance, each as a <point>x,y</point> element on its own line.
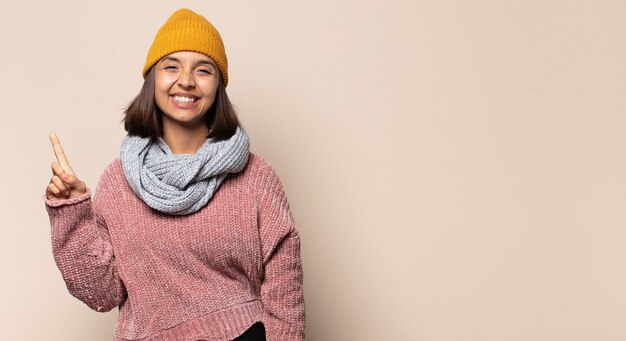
<point>205,71</point>
<point>170,67</point>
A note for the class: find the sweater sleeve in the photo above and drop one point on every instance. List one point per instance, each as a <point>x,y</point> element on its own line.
<point>82,250</point>
<point>282,286</point>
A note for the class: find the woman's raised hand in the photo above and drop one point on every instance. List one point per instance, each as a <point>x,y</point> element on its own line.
<point>64,183</point>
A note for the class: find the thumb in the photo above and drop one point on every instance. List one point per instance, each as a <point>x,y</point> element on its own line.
<point>73,182</point>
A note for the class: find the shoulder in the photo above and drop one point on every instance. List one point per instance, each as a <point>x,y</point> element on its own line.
<point>257,177</point>
<point>259,170</point>
<point>112,171</point>
<point>262,177</point>
<point>114,166</point>
<point>259,164</point>
<point>112,178</point>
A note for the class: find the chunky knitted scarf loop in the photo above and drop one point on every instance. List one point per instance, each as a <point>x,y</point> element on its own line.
<point>180,184</point>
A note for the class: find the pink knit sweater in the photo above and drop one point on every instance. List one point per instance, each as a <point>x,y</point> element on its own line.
<point>205,276</point>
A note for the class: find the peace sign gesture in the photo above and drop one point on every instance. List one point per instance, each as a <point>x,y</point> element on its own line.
<point>64,183</point>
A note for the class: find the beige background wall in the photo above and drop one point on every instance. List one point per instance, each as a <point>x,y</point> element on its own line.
<point>456,168</point>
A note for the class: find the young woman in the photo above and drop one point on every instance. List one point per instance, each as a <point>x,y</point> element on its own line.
<point>188,233</point>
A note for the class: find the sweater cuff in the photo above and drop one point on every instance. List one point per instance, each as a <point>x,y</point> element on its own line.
<point>288,334</point>
<point>63,202</point>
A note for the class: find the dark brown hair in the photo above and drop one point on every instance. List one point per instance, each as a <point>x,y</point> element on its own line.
<point>144,118</point>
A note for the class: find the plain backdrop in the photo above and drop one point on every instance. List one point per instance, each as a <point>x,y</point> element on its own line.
<point>456,169</point>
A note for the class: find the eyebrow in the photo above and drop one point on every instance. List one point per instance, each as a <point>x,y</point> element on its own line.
<point>203,61</point>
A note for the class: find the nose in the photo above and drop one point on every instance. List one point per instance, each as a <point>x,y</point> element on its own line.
<point>186,79</point>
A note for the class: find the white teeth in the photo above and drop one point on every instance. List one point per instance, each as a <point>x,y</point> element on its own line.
<point>184,99</point>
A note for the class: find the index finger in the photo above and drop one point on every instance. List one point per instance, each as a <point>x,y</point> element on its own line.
<point>60,154</point>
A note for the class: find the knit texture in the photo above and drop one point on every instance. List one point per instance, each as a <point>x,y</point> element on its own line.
<point>209,275</point>
<point>187,31</point>
<point>181,183</point>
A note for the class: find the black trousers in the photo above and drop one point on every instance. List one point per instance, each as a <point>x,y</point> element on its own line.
<point>254,333</point>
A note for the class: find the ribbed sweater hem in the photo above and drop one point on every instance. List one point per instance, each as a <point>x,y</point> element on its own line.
<point>225,324</point>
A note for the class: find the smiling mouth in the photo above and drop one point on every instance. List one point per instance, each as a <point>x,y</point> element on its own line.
<point>183,99</point>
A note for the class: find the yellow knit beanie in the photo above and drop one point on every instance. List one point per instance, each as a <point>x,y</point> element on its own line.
<point>187,31</point>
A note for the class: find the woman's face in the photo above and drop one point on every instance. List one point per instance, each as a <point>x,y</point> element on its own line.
<point>185,87</point>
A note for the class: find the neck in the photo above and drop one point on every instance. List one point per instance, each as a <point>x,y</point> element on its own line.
<point>184,140</point>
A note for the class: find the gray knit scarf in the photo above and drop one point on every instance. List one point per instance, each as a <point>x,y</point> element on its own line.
<point>181,184</point>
